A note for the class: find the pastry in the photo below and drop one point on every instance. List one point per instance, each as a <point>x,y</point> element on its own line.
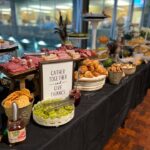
<point>83,69</point>
<point>88,74</point>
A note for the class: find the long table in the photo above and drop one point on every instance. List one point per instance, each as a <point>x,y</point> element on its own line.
<point>99,114</point>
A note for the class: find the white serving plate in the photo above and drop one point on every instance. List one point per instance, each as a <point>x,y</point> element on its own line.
<point>89,84</point>
<point>99,78</point>
<point>89,88</point>
<point>54,122</point>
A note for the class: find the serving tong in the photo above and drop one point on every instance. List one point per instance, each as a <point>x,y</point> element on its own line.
<point>58,104</point>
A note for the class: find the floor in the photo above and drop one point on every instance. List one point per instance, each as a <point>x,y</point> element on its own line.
<point>136,132</point>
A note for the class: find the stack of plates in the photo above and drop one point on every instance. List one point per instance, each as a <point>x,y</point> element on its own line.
<point>90,84</point>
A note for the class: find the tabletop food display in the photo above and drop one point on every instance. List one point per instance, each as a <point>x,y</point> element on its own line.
<point>92,69</point>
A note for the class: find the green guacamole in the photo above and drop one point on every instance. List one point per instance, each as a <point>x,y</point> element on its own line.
<point>45,109</point>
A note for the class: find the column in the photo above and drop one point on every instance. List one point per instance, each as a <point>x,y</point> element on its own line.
<point>78,25</point>
<point>130,15</point>
<point>14,19</point>
<point>113,26</point>
<point>77,15</point>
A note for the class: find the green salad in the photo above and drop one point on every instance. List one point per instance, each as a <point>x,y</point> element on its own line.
<point>51,109</point>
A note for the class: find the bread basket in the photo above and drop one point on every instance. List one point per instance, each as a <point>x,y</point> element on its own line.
<point>24,112</point>
<point>129,71</point>
<point>115,77</point>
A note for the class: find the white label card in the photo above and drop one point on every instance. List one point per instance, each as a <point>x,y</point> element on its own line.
<point>57,80</point>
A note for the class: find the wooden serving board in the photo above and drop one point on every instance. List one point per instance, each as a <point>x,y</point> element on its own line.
<point>19,74</point>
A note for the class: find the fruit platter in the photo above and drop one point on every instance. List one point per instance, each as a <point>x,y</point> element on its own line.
<point>90,76</point>
<point>53,113</point>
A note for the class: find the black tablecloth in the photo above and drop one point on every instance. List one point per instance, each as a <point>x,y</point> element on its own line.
<point>99,114</point>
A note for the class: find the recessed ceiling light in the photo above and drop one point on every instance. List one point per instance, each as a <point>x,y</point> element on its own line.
<point>58,45</point>
<point>11,39</point>
<point>26,41</point>
<point>42,43</point>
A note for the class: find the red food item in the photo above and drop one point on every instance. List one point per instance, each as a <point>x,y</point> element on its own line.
<point>35,60</point>
<point>83,55</point>
<point>14,67</point>
<point>93,53</point>
<point>16,60</point>
<point>64,56</point>
<point>52,51</point>
<point>88,53</point>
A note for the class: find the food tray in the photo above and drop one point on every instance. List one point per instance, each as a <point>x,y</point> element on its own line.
<point>19,74</point>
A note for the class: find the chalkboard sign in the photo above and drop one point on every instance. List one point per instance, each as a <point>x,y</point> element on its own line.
<point>56,79</point>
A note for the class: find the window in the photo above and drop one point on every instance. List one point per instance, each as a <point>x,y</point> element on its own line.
<point>5,19</point>
<point>137,12</point>
<point>37,20</point>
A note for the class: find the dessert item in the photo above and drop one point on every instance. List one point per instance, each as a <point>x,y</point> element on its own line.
<point>53,112</point>
<point>83,69</point>
<point>115,68</point>
<point>90,75</point>
<point>90,69</point>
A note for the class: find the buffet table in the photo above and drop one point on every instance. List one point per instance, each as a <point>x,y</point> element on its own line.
<point>99,114</point>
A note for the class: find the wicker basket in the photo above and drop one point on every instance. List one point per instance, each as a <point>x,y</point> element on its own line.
<point>129,71</point>
<point>24,112</point>
<point>115,77</point>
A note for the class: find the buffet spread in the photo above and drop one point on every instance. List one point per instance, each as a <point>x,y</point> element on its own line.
<point>91,70</point>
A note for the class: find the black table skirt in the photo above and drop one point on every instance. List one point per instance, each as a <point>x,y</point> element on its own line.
<point>99,114</point>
